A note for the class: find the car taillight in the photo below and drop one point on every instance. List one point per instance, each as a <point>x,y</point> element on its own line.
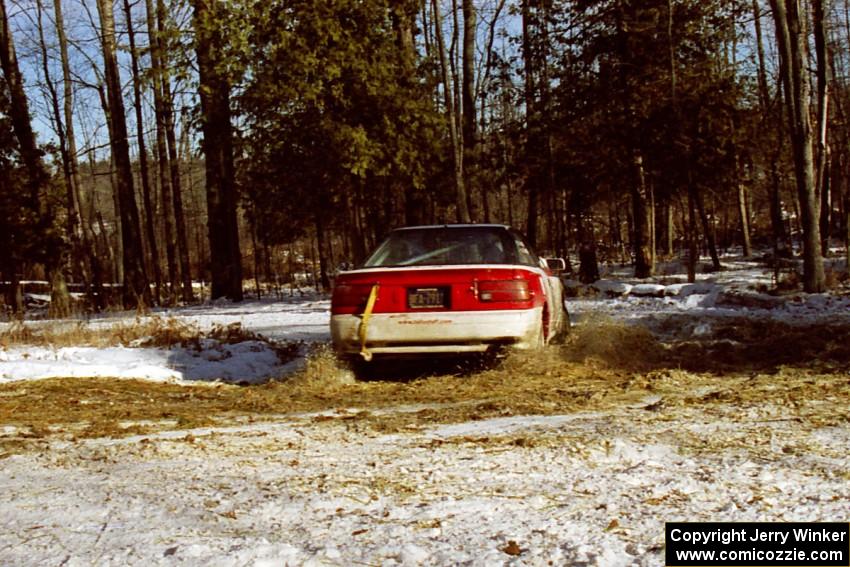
<point>350,295</point>
<point>504,290</point>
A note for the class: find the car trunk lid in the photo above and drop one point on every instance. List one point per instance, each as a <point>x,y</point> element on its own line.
<point>430,289</point>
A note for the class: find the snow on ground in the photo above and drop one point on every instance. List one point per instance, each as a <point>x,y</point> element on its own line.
<point>736,291</point>
<point>579,489</point>
<point>246,362</point>
<point>292,319</point>
<point>595,489</point>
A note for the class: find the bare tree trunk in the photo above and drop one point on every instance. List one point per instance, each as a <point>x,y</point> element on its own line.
<point>454,71</point>
<point>792,42</point>
<point>468,104</point>
<point>480,87</point>
<point>743,205</point>
<point>781,236</point>
<point>116,248</point>
<point>186,161</point>
<point>143,157</point>
<point>255,253</point>
<point>177,195</point>
<point>324,280</point>
<point>174,161</point>
<point>60,299</point>
<point>843,163</point>
<point>404,22</point>
<point>214,92</point>
<point>588,269</point>
<point>426,33</point>
<point>847,226</point>
<point>653,232</point>
<point>545,107</point>
<point>641,239</point>
<point>762,73</point>
<point>693,232</point>
<point>162,149</point>
<point>96,294</point>
<point>822,154</point>
<point>136,292</point>
<point>781,246</point>
<point>743,213</point>
<point>532,178</point>
<point>707,228</point>
<point>669,229</point>
<point>461,198</point>
<point>825,205</point>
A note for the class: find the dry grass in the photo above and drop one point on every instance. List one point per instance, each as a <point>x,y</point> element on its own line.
<point>604,367</point>
<point>153,331</point>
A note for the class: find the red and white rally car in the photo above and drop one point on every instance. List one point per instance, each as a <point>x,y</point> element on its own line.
<point>448,289</point>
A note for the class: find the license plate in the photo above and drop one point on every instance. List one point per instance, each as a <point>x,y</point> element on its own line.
<point>427,297</point>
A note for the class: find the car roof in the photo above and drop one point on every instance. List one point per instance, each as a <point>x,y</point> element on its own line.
<point>437,226</point>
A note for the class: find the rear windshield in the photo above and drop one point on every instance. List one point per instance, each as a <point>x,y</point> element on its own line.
<point>447,246</point>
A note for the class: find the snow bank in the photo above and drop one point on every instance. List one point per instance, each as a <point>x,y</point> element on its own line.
<point>648,289</point>
<point>612,288</point>
<point>246,362</point>
<point>250,362</point>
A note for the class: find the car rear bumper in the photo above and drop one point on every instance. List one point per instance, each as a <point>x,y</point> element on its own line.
<point>437,332</point>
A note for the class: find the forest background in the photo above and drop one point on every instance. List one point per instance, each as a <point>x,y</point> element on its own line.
<point>149,144</point>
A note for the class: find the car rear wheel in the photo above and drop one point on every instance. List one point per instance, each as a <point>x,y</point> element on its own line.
<point>539,341</point>
<point>560,334</point>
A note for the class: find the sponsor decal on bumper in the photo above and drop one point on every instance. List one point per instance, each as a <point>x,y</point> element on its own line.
<point>401,333</point>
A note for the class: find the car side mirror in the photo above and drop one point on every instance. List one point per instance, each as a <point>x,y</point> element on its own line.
<point>556,265</point>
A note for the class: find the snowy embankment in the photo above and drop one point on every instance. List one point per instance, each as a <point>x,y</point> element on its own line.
<point>244,362</point>
<point>209,360</point>
<point>737,291</point>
